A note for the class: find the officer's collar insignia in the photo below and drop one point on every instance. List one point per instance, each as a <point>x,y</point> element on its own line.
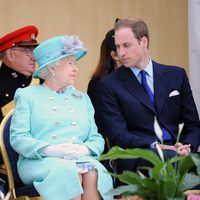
<point>14,74</point>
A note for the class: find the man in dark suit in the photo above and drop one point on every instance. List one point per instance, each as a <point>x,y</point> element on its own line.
<point>18,64</point>
<point>127,108</point>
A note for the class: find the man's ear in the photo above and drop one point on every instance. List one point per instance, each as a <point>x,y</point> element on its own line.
<point>9,55</point>
<point>144,41</point>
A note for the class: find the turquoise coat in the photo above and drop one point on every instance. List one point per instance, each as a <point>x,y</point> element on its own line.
<point>43,117</point>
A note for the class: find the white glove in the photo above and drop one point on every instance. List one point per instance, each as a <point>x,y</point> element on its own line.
<point>83,150</point>
<point>54,150</point>
<point>71,154</point>
<point>66,150</point>
<point>76,150</point>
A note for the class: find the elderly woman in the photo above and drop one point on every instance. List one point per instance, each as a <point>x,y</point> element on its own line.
<point>53,129</point>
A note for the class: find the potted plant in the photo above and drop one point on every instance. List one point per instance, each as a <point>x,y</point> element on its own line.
<point>168,178</point>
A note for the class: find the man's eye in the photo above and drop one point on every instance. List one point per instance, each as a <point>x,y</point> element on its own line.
<point>127,45</point>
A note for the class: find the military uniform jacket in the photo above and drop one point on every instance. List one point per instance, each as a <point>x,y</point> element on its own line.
<point>10,80</point>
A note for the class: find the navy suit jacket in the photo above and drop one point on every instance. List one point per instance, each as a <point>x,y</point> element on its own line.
<point>127,114</point>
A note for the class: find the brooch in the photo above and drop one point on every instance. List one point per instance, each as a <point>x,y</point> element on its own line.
<point>77,96</point>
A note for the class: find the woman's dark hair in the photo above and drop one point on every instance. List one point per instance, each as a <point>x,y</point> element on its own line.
<point>106,63</point>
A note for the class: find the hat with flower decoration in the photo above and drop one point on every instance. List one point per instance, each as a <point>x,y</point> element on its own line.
<point>25,36</point>
<point>57,48</point>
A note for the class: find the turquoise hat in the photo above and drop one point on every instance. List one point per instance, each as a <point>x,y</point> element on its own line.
<point>57,48</point>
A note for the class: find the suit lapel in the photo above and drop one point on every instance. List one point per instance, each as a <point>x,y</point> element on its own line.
<point>131,84</point>
<point>160,85</point>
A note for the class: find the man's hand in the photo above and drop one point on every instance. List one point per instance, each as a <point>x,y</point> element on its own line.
<point>181,149</point>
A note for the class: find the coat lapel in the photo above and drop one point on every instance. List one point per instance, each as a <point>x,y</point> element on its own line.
<point>160,86</point>
<point>131,84</point>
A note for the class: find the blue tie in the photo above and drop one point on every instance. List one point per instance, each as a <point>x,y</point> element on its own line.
<point>166,135</point>
<point>146,86</point>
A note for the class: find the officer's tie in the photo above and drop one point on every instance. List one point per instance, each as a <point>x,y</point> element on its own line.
<point>166,135</point>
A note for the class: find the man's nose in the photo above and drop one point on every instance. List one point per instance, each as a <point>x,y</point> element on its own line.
<point>121,52</point>
<point>33,57</point>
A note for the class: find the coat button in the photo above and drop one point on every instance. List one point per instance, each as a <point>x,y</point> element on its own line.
<point>53,136</point>
<point>50,98</point>
<point>54,108</point>
<point>66,100</point>
<point>73,139</point>
<point>71,110</point>
<point>74,123</point>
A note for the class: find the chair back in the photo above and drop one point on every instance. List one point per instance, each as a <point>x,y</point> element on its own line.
<point>11,153</point>
<point>10,157</point>
<point>4,140</point>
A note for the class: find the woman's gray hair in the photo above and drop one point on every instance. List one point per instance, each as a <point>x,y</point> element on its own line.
<point>44,71</point>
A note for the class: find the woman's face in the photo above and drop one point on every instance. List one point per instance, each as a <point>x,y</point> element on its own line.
<point>115,57</point>
<point>65,72</point>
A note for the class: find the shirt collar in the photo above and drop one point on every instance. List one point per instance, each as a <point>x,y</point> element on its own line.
<point>148,69</point>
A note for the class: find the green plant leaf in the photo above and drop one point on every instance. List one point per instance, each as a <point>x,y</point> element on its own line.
<point>129,177</point>
<point>119,153</point>
<point>178,198</point>
<point>167,180</point>
<point>190,181</point>
<point>167,190</point>
<point>175,159</point>
<point>156,171</point>
<point>128,189</point>
<point>169,172</point>
<point>185,164</point>
<point>196,159</point>
<point>149,189</point>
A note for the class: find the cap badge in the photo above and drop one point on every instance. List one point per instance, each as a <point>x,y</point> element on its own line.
<point>33,36</point>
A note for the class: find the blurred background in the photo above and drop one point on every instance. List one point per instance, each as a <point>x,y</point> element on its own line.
<point>91,19</point>
<point>174,27</point>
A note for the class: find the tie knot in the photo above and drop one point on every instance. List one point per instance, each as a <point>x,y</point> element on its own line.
<point>143,73</point>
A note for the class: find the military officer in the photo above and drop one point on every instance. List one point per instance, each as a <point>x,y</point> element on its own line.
<point>18,64</point>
